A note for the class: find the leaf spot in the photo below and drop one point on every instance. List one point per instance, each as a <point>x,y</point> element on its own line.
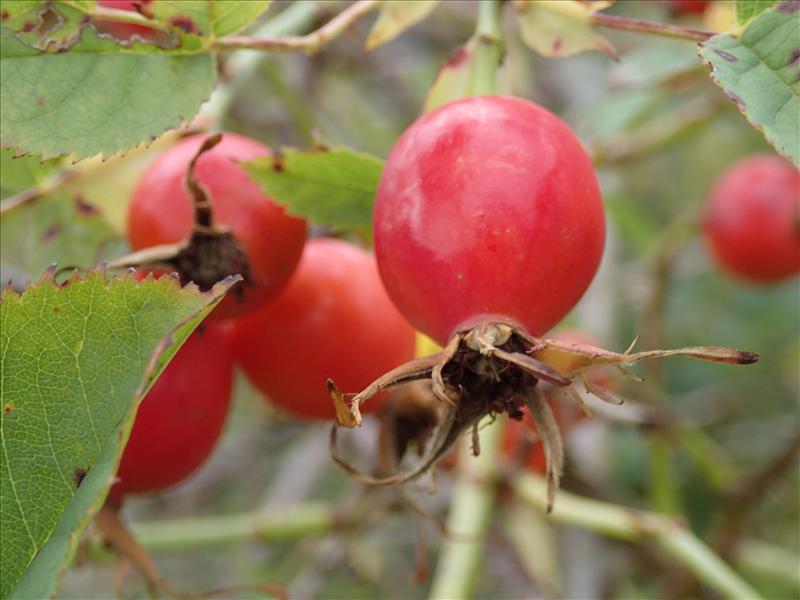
<point>80,474</point>
<point>726,55</point>
<point>85,208</point>
<point>184,23</point>
<point>51,232</point>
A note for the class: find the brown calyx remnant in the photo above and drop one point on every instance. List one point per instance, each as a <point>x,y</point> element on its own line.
<point>486,370</point>
<point>209,254</point>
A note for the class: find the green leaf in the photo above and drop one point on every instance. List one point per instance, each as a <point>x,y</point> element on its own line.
<point>747,9</point>
<point>233,16</point>
<point>333,186</point>
<point>208,18</point>
<point>760,72</point>
<point>76,359</point>
<point>59,228</point>
<point>395,17</point>
<point>45,25</point>
<point>98,98</point>
<point>44,575</point>
<point>23,172</point>
<point>559,28</point>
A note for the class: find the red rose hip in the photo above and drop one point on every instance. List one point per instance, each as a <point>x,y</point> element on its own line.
<point>488,209</point>
<point>181,418</point>
<point>161,212</point>
<point>752,220</point>
<point>333,320</point>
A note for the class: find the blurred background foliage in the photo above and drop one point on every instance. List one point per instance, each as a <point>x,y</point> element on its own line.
<point>660,133</point>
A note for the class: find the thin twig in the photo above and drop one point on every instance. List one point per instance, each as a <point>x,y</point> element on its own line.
<point>309,43</point>
<point>651,27</point>
<point>747,493</point>
<point>742,498</point>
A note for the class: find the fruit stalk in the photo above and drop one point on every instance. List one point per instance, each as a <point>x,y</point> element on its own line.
<point>490,51</point>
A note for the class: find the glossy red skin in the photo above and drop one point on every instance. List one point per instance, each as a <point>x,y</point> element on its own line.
<point>161,213</point>
<point>488,207</point>
<point>334,320</point>
<point>126,31</point>
<point>752,220</point>
<point>181,418</point>
<point>689,7</point>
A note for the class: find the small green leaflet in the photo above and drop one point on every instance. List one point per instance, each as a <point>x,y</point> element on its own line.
<point>560,28</point>
<point>76,360</point>
<point>333,186</point>
<point>760,72</point>
<point>395,17</point>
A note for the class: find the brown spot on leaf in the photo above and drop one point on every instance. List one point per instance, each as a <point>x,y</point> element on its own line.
<point>186,24</point>
<point>4,15</point>
<point>51,232</point>
<point>557,43</point>
<point>85,208</point>
<point>789,7</point>
<point>725,55</point>
<point>40,100</point>
<point>8,408</point>
<point>80,474</point>
<point>28,26</point>
<point>277,164</point>
<point>793,57</point>
<point>56,309</point>
<point>736,98</point>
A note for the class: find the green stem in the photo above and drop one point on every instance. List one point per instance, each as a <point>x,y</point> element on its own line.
<point>769,560</point>
<point>634,525</point>
<point>664,495</point>
<point>277,525</point>
<point>470,513</point>
<point>490,48</point>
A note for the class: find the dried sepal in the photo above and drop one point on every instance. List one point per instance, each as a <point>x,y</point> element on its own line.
<point>599,392</point>
<point>580,357</point>
<point>550,437</point>
<point>419,368</point>
<point>345,416</point>
<point>492,368</point>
